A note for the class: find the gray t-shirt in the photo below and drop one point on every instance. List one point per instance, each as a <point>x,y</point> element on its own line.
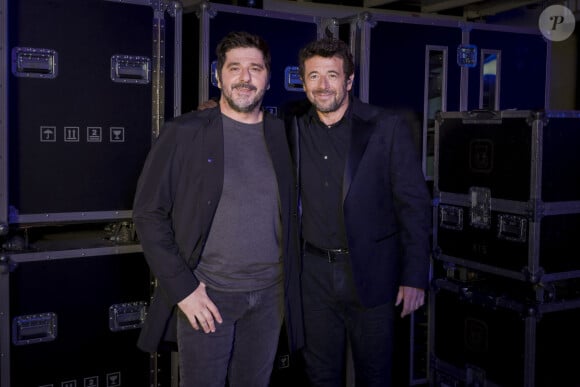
<point>243,251</point>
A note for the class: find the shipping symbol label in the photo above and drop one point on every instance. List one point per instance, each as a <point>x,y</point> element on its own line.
<point>91,381</point>
<point>476,337</point>
<point>71,134</point>
<point>94,134</point>
<point>481,156</point>
<point>114,379</point>
<point>69,383</point>
<point>48,134</point>
<point>117,134</point>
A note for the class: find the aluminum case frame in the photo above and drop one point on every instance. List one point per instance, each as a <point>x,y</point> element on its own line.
<point>503,203</point>
<point>72,198</point>
<point>524,57</point>
<point>61,310</point>
<point>487,337</point>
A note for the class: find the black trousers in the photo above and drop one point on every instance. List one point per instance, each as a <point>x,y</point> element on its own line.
<point>332,313</point>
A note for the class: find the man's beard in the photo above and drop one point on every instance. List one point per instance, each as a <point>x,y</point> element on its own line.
<point>328,107</point>
<point>241,108</point>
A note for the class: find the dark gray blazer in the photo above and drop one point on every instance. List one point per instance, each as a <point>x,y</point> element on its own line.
<point>386,202</point>
<point>176,198</point>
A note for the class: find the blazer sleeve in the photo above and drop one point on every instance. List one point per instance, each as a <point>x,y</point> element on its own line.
<point>412,205</point>
<point>152,213</point>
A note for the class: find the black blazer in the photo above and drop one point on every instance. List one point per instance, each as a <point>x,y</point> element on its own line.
<point>176,198</point>
<point>386,202</point>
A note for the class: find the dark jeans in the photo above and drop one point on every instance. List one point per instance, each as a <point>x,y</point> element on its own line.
<point>243,347</point>
<point>332,313</point>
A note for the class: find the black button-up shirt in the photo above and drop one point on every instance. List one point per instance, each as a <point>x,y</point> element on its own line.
<point>323,155</point>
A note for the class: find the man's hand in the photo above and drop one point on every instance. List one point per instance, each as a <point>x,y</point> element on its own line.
<point>412,298</point>
<point>210,103</point>
<point>200,310</point>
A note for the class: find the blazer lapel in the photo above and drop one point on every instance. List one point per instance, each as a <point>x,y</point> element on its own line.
<point>359,139</point>
<point>275,137</point>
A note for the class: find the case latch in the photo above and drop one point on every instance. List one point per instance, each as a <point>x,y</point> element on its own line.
<point>512,227</point>
<point>451,217</point>
<point>480,211</point>
<point>130,69</point>
<point>128,315</point>
<point>34,328</point>
<point>292,80</point>
<point>34,62</point>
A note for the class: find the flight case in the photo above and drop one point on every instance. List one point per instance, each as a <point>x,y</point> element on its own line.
<point>487,336</point>
<point>72,305</point>
<point>82,97</point>
<point>84,85</point>
<point>506,200</point>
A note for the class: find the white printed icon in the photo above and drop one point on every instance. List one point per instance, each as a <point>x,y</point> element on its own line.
<point>114,379</point>
<point>94,134</point>
<point>91,381</point>
<point>48,134</point>
<point>71,134</point>
<point>117,134</point>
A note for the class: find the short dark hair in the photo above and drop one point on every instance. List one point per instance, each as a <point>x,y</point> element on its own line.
<point>239,39</point>
<point>327,48</point>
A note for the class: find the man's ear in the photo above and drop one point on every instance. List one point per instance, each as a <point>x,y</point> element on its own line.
<point>218,80</point>
<point>349,82</point>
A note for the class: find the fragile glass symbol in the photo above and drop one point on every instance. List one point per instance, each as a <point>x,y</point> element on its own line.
<point>117,134</point>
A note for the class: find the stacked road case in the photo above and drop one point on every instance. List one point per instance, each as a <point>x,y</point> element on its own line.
<point>487,336</point>
<point>79,108</point>
<point>82,86</point>
<point>74,317</point>
<point>506,291</point>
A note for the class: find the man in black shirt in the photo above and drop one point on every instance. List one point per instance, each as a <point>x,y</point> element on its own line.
<point>365,219</point>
